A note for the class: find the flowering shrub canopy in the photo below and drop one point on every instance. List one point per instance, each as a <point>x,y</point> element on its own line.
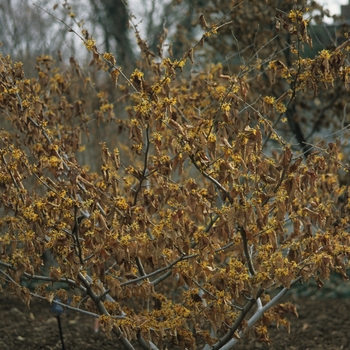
<point>209,195</point>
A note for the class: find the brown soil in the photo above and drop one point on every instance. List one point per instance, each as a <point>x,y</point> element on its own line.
<point>322,324</point>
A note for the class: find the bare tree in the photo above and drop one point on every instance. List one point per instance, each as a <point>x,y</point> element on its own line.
<point>112,16</point>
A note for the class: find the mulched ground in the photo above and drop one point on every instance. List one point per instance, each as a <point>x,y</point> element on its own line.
<point>322,324</point>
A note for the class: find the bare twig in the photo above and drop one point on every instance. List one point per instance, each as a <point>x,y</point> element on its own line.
<point>246,250</point>
<point>66,306</point>
<point>257,315</point>
<point>70,29</point>
<point>228,336</point>
<point>181,258</point>
<point>145,165</point>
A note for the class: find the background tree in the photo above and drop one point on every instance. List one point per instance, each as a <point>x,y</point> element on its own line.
<point>202,207</point>
<point>23,25</point>
<point>113,18</point>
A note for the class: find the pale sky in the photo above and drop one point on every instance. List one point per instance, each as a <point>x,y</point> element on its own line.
<point>333,5</point>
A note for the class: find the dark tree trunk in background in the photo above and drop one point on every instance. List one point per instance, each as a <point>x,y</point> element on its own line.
<point>113,18</point>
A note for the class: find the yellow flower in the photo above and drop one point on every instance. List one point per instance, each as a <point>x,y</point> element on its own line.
<point>54,161</point>
<point>220,89</point>
<point>16,154</point>
<point>269,100</point>
<point>187,148</point>
<point>106,107</point>
<point>226,107</point>
<point>156,88</point>
<point>109,57</point>
<point>137,74</point>
<point>211,138</point>
<point>325,54</point>
<point>90,44</point>
<point>280,107</point>
<point>121,203</point>
<point>181,63</point>
<point>156,136</point>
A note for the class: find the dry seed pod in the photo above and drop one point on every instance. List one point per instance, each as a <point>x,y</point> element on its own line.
<point>203,22</point>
